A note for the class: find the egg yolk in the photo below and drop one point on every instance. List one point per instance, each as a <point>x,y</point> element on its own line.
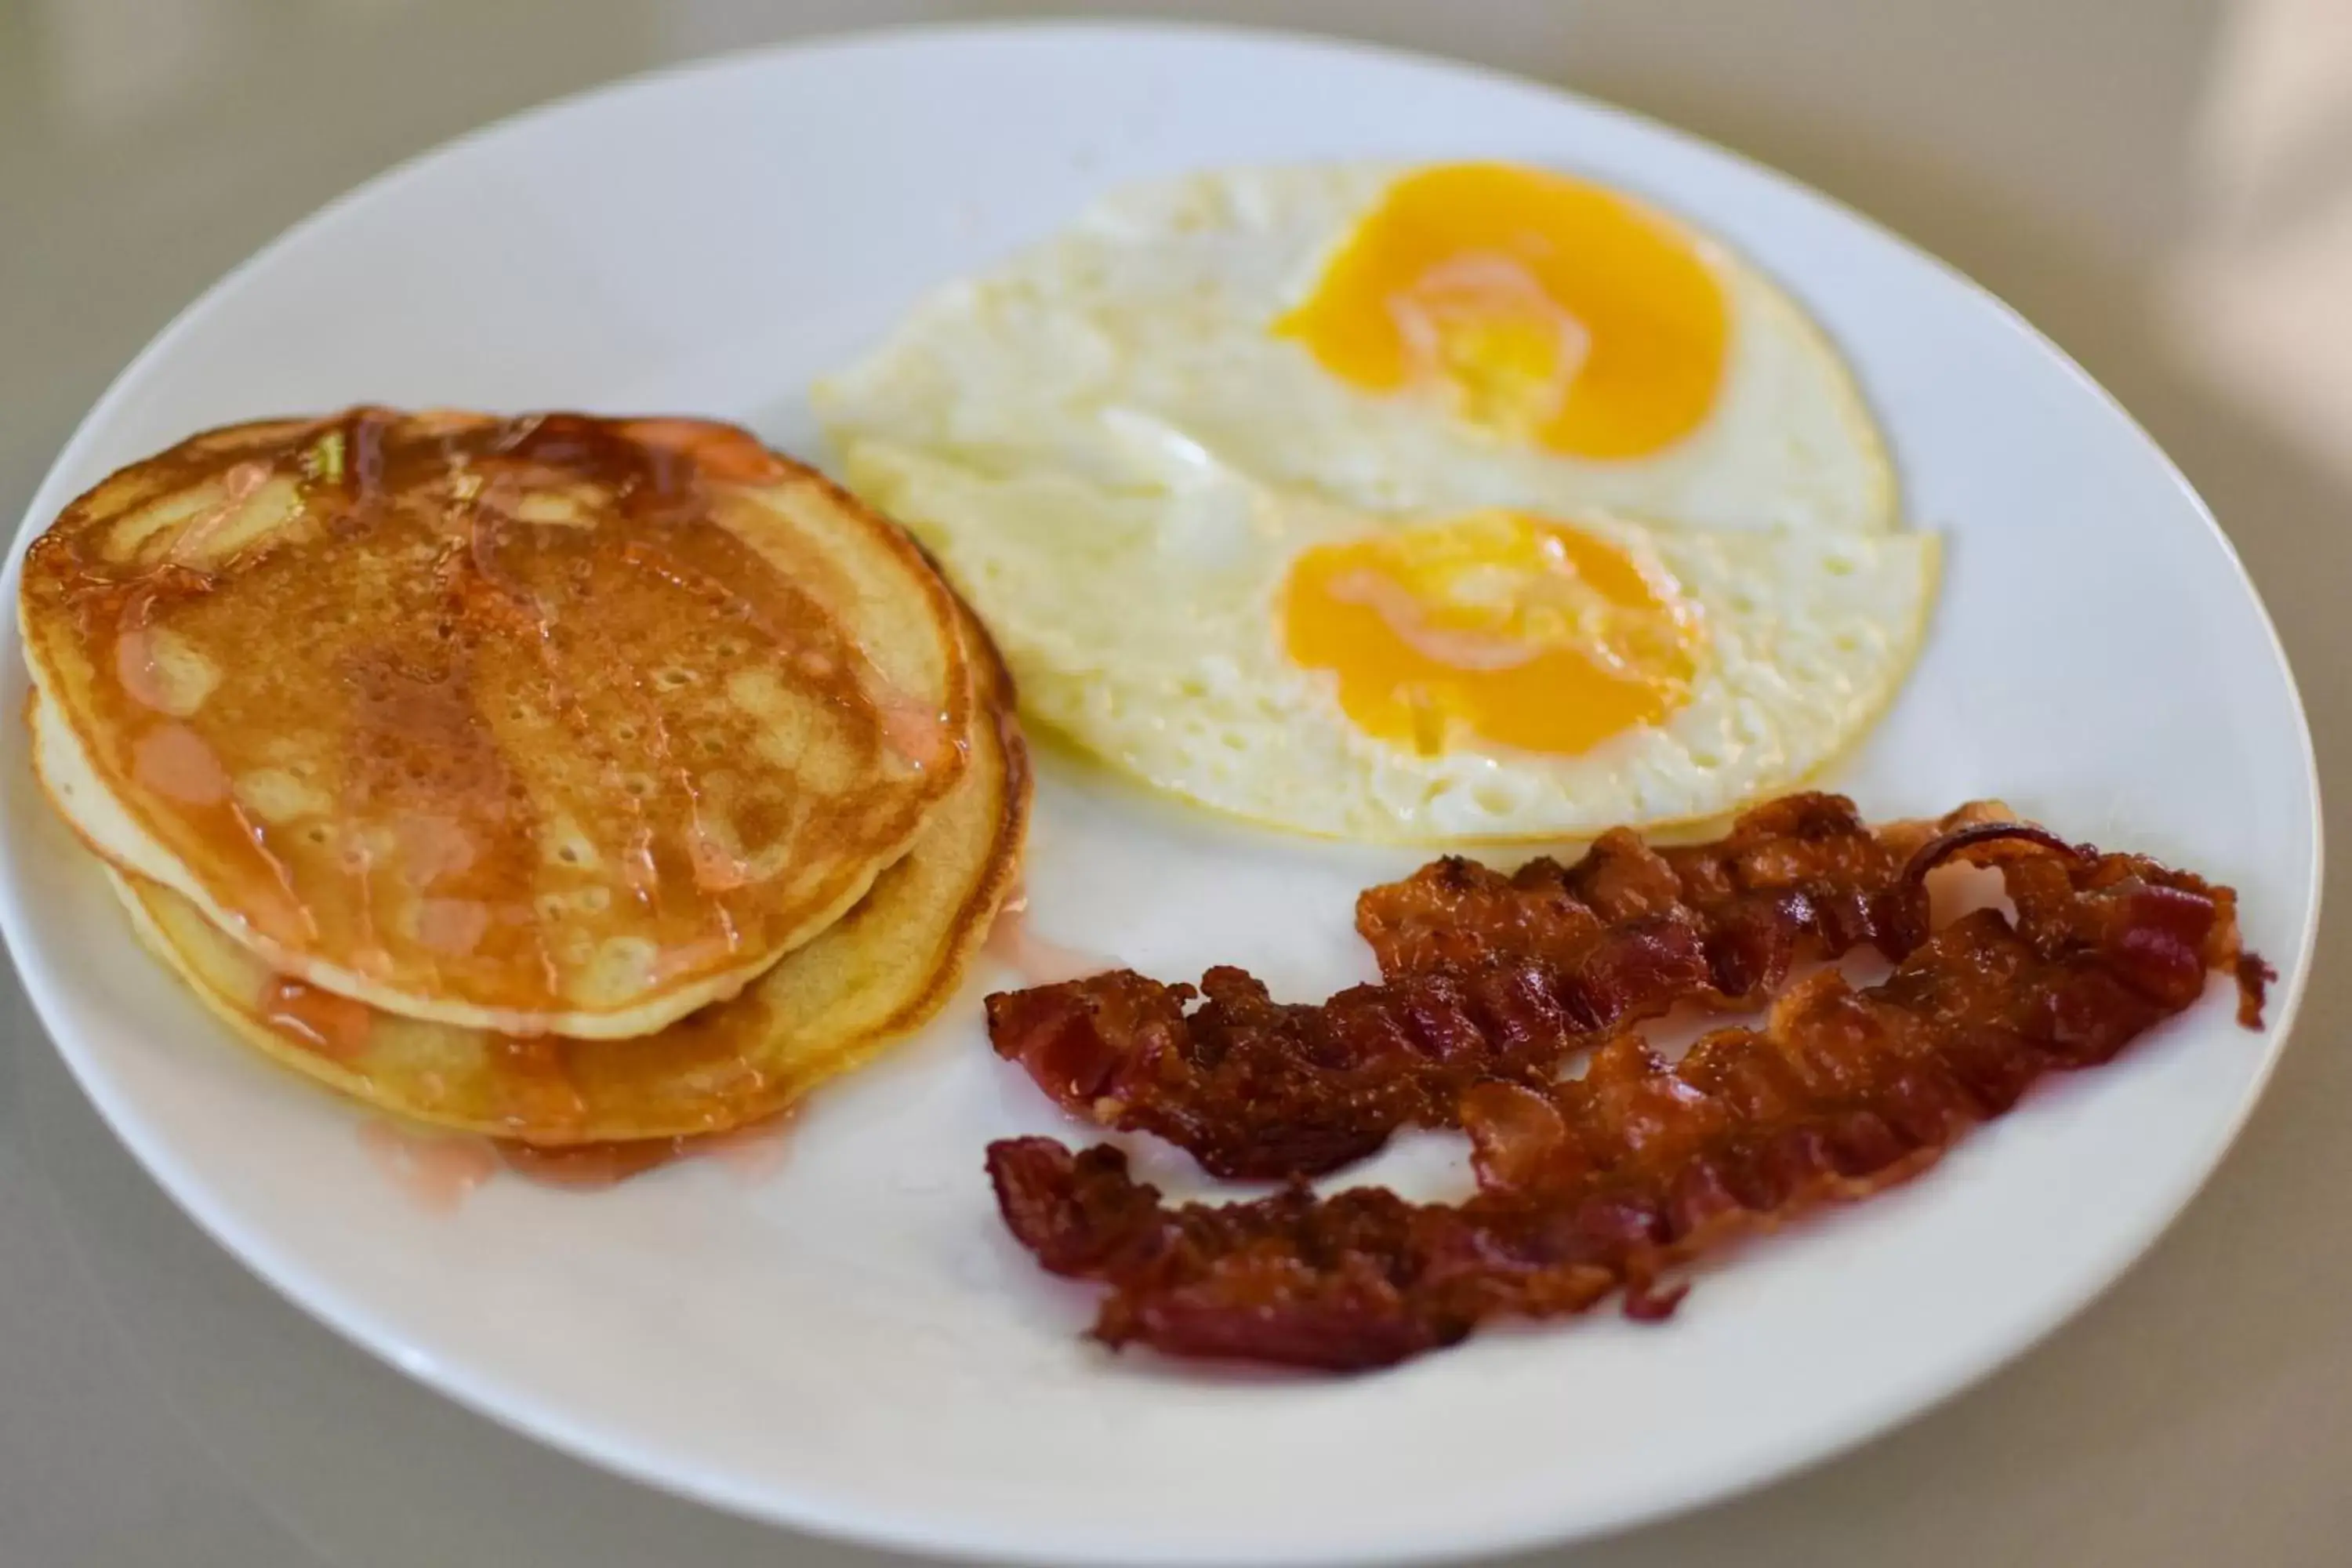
<point>1514,630</point>
<point>1548,310</point>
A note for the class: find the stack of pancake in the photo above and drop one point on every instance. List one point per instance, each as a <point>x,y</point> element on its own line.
<point>566,780</point>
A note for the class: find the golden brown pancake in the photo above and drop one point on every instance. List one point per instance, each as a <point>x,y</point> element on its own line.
<point>879,973</point>
<point>544,725</point>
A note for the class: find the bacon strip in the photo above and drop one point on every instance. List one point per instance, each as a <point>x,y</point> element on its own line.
<point>1488,975</point>
<point>1801,868</point>
<point>1608,1181</point>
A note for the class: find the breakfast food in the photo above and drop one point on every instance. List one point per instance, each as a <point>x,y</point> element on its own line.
<point>874,975</point>
<point>1463,503</point>
<point>566,689</point>
<point>583,790</point>
<point>548,725</point>
<point>1492,675</point>
<point>1433,340</point>
<point>1590,1184</point>
<point>1485,977</point>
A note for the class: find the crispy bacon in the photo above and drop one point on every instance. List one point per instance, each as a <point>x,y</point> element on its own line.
<point>1608,1181</point>
<point>1488,976</point>
<point>1798,877</point>
<point>1252,1087</point>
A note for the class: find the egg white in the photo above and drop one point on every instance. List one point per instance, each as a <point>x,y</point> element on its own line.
<point>1144,622</point>
<point>1138,340</point>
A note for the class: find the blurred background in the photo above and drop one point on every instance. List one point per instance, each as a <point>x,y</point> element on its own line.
<point>2164,187</point>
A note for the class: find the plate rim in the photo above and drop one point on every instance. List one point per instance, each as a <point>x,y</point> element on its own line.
<point>357,1323</point>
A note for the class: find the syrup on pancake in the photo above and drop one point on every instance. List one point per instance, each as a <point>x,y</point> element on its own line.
<point>590,1112</point>
<point>551,724</point>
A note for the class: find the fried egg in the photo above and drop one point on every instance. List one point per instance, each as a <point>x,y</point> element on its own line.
<point>1442,339</point>
<point>1491,672</point>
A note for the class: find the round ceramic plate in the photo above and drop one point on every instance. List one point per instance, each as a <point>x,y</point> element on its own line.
<point>852,1344</point>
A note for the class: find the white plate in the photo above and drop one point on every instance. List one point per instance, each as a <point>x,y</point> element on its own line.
<point>854,1345</point>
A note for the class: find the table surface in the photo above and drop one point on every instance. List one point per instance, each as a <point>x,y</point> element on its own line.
<point>2164,187</point>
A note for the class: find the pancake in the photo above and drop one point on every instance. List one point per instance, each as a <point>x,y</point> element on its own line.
<point>882,971</point>
<point>546,725</point>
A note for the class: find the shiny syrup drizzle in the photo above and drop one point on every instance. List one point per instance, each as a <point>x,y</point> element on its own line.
<point>335,1027</point>
<point>449,493</point>
<point>536,1080</point>
<point>749,1153</point>
<point>436,1171</point>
